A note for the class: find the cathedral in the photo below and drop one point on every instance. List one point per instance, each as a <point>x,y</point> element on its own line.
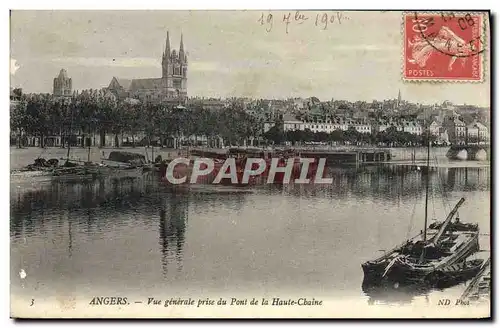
<point>170,88</point>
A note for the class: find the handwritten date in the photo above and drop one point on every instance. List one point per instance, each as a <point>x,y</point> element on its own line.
<point>321,20</point>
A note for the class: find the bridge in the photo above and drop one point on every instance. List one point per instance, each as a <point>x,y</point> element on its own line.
<point>469,152</point>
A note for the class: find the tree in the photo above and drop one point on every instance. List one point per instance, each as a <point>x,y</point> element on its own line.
<point>17,93</point>
<point>38,116</point>
<point>352,135</point>
<point>337,136</point>
<point>321,136</point>
<point>19,120</point>
<point>275,134</point>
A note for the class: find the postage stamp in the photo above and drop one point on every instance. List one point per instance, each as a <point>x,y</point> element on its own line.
<point>443,46</point>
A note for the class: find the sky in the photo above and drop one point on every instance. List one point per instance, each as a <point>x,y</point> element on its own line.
<point>356,56</point>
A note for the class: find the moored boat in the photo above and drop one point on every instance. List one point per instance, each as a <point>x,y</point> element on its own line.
<point>77,171</point>
<point>238,170</point>
<point>479,288</point>
<point>441,249</point>
<point>455,273</point>
<point>122,164</point>
<point>124,159</point>
<point>437,248</point>
<point>424,254</point>
<point>112,167</point>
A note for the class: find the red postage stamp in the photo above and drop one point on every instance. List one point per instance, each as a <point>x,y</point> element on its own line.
<point>443,46</point>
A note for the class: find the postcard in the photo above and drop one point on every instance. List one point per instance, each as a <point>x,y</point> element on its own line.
<point>250,164</point>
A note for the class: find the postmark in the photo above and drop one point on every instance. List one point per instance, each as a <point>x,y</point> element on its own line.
<point>443,46</point>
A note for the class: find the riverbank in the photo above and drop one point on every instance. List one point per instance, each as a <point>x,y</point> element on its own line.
<point>20,157</point>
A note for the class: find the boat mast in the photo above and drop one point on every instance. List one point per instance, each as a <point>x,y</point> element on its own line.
<point>427,184</point>
<point>88,155</point>
<point>69,146</point>
<point>446,222</point>
<point>69,132</point>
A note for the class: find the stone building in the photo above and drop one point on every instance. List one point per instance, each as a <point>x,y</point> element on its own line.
<point>170,87</point>
<point>62,85</point>
<point>435,128</point>
<point>457,130</point>
<point>477,133</point>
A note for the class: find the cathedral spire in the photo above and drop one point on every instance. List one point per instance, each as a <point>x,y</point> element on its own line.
<point>166,57</point>
<point>167,45</point>
<point>181,48</point>
<point>182,55</point>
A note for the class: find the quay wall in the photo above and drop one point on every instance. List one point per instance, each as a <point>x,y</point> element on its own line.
<point>24,156</point>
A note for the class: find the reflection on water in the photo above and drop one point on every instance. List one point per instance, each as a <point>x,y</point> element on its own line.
<point>139,235</point>
<point>394,182</point>
<point>173,220</point>
<point>394,293</point>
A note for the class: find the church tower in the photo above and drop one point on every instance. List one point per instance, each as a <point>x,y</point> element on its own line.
<point>174,71</point>
<point>62,84</point>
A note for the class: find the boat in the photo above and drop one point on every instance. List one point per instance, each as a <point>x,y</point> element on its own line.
<point>424,254</point>
<point>283,157</point>
<point>118,165</point>
<point>393,292</point>
<point>75,169</point>
<point>85,171</point>
<point>240,165</point>
<point>442,250</point>
<point>41,164</point>
<point>456,226</point>
<point>480,287</point>
<point>436,249</point>
<point>124,159</point>
<point>240,156</point>
<point>179,171</point>
<point>454,274</point>
<point>122,164</point>
<point>215,154</point>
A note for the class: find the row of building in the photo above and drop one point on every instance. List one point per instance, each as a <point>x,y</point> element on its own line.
<point>294,113</point>
<point>450,130</point>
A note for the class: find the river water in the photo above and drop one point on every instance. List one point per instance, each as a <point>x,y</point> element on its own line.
<point>136,238</point>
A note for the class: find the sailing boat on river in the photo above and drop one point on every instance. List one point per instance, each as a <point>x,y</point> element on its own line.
<point>436,248</point>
